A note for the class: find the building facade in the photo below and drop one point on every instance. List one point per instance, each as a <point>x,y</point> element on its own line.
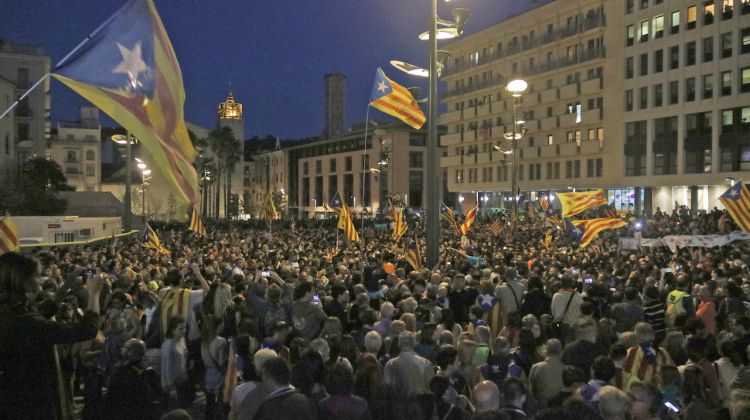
<point>77,149</point>
<point>685,69</point>
<point>626,95</point>
<point>7,131</point>
<point>23,65</point>
<point>389,166</point>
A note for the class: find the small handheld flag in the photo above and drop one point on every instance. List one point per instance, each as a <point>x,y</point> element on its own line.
<point>151,240</point>
<point>8,236</point>
<point>196,225</point>
<point>586,231</point>
<point>399,223</point>
<point>413,256</point>
<point>470,216</point>
<point>395,100</point>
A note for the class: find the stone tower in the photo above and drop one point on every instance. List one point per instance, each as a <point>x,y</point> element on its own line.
<point>230,115</point>
<point>335,94</point>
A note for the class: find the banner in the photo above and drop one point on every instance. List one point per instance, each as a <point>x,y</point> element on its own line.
<point>675,242</point>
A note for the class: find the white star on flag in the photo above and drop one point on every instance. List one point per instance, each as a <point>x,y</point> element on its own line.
<point>132,63</point>
<point>381,86</point>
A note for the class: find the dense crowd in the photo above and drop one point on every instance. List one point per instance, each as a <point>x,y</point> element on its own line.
<point>294,323</point>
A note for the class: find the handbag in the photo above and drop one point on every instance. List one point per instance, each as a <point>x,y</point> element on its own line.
<point>559,328</point>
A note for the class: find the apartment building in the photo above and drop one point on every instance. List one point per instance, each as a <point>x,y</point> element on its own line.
<point>77,149</point>
<point>23,65</point>
<point>7,130</point>
<point>686,78</point>
<point>625,95</point>
<point>561,50</point>
<point>389,166</point>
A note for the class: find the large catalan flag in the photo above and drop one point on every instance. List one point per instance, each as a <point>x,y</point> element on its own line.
<point>395,100</point>
<point>469,220</point>
<point>196,225</point>
<point>737,202</point>
<point>8,236</point>
<point>577,202</point>
<point>413,256</point>
<point>399,223</point>
<point>129,70</point>
<point>586,231</point>
<point>151,240</point>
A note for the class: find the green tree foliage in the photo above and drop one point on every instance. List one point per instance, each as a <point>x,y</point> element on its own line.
<point>33,191</point>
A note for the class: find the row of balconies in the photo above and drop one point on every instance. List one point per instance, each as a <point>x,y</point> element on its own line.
<point>529,154</point>
<point>587,23</point>
<point>526,70</point>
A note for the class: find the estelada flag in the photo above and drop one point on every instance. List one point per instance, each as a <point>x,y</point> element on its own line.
<point>578,202</point>
<point>395,100</point>
<point>129,70</point>
<point>586,230</point>
<point>737,202</point>
<point>469,220</point>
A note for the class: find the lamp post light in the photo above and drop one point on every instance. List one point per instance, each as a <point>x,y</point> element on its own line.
<point>128,141</point>
<point>516,88</point>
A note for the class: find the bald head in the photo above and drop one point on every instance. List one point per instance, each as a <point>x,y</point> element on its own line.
<point>486,396</point>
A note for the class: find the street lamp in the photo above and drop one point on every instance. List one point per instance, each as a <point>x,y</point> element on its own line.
<point>128,141</point>
<point>145,172</point>
<point>434,173</point>
<point>516,88</point>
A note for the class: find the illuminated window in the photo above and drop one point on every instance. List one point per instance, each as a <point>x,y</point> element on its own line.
<point>709,10</point>
<point>692,17</point>
<point>658,26</point>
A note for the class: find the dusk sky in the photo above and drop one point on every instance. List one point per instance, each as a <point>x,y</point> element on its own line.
<point>274,52</point>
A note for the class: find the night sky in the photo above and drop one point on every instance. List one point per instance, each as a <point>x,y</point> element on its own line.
<point>273,52</point>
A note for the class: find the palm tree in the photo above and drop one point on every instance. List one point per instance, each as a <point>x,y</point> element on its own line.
<point>225,148</point>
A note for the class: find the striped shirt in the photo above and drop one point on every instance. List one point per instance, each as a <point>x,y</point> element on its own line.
<point>653,313</point>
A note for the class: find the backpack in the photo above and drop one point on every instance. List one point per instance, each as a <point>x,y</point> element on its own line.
<point>273,315</point>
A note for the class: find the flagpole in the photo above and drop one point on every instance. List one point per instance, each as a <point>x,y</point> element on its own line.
<point>61,62</point>
<point>365,170</point>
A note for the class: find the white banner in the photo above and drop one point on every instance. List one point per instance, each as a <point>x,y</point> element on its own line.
<point>674,242</point>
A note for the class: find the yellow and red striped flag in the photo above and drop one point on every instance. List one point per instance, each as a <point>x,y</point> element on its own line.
<point>347,225</point>
<point>577,202</point>
<point>496,227</point>
<point>448,214</point>
<point>469,220</point>
<point>269,209</point>
<point>586,231</point>
<point>129,70</point>
<point>737,202</point>
<point>395,100</point>
<point>196,225</point>
<point>399,223</point>
<point>151,240</point>
<point>413,256</point>
<point>8,236</point>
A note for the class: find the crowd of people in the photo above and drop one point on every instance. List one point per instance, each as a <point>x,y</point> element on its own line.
<point>292,322</point>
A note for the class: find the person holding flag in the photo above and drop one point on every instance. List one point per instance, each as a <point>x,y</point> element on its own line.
<point>345,219</point>
<point>399,223</point>
<point>196,225</point>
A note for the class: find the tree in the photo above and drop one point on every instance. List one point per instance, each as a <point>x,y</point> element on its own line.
<point>34,190</point>
<point>225,149</point>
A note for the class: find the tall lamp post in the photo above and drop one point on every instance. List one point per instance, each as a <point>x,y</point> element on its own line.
<point>434,172</point>
<point>516,87</point>
<point>144,173</point>
<point>127,140</point>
